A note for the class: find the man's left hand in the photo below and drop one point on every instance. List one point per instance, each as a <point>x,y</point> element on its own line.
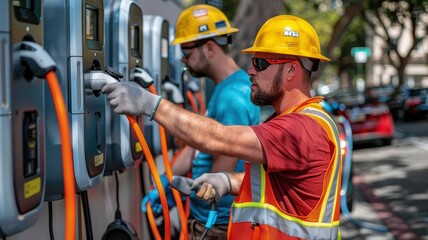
<point>212,186</point>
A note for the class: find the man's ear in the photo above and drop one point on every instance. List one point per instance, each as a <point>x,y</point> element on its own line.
<point>292,70</point>
<point>210,48</point>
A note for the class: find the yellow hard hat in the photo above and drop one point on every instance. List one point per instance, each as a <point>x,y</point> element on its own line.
<point>290,35</point>
<point>200,22</point>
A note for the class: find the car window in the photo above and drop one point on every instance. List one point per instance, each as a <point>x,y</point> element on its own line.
<point>418,92</point>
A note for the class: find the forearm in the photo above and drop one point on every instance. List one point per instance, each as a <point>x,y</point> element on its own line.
<point>223,163</point>
<point>195,130</point>
<point>185,125</point>
<point>236,182</point>
<point>208,135</point>
<point>183,163</point>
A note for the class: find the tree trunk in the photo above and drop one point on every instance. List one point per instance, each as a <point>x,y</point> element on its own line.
<point>249,17</point>
<point>339,29</point>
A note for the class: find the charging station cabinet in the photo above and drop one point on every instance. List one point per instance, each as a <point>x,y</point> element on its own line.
<point>76,43</point>
<point>22,159</point>
<point>124,40</point>
<point>176,65</point>
<point>156,63</point>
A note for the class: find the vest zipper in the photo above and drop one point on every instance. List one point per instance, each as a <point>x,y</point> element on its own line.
<point>256,228</point>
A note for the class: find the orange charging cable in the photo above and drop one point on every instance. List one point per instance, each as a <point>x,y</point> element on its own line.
<point>152,222</point>
<point>155,175</point>
<point>168,171</point>
<point>192,102</point>
<point>201,110</point>
<point>201,103</point>
<point>67,157</point>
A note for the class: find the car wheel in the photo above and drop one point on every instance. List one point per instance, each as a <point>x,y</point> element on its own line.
<point>387,142</point>
<point>400,114</point>
<point>406,117</point>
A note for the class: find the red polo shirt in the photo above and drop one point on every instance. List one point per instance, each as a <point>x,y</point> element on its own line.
<point>298,152</point>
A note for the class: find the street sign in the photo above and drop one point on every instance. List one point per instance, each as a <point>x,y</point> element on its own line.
<point>361,54</point>
<point>367,51</point>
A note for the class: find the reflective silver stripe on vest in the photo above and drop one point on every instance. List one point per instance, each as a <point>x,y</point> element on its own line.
<point>328,217</point>
<point>256,182</point>
<point>265,216</point>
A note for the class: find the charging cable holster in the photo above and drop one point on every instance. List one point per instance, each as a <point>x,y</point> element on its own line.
<point>120,229</point>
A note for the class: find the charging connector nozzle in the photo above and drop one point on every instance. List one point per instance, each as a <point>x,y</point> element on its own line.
<point>96,80</point>
<point>141,77</point>
<point>175,92</point>
<point>35,57</point>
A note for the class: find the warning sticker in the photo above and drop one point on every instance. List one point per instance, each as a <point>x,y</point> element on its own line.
<point>138,147</point>
<point>200,12</point>
<point>98,159</point>
<point>32,187</point>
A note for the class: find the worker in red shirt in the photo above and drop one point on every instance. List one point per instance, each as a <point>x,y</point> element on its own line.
<point>290,189</point>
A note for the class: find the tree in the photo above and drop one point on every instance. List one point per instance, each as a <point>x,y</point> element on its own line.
<point>397,22</point>
<point>249,17</point>
<point>338,31</point>
<point>342,30</point>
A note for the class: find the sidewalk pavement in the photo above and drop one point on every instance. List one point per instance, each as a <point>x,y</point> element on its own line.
<point>370,215</point>
<point>363,212</point>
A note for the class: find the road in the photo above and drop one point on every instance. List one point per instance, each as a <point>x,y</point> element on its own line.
<point>392,186</point>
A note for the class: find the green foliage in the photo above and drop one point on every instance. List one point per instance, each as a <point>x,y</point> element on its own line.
<point>319,15</point>
<point>354,37</point>
<point>397,10</point>
<point>323,16</point>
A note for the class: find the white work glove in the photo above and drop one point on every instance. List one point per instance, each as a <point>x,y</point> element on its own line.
<point>212,186</point>
<point>131,99</point>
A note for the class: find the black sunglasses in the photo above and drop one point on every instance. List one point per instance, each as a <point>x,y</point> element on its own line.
<point>187,51</point>
<point>261,64</point>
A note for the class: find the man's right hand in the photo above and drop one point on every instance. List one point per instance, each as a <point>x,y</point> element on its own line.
<point>131,99</point>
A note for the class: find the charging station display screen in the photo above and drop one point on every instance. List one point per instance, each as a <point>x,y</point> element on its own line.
<point>27,10</point>
<point>164,48</point>
<point>91,19</point>
<point>23,4</point>
<point>135,38</point>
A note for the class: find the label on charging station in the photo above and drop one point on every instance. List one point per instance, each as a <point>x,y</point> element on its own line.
<point>98,160</point>
<point>32,187</point>
<point>138,147</point>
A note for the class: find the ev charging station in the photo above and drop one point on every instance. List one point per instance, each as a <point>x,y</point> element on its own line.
<point>156,63</point>
<point>124,36</point>
<point>22,123</point>
<point>76,43</point>
<point>176,66</point>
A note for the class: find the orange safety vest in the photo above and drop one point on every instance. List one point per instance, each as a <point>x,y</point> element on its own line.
<point>255,213</point>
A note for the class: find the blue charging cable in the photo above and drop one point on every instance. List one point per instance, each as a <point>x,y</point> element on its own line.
<point>346,177</point>
<point>212,217</point>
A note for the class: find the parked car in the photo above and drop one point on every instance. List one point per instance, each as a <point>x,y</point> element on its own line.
<point>382,93</point>
<point>411,104</point>
<point>370,119</point>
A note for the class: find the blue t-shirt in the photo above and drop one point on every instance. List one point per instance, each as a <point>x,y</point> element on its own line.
<point>230,104</point>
